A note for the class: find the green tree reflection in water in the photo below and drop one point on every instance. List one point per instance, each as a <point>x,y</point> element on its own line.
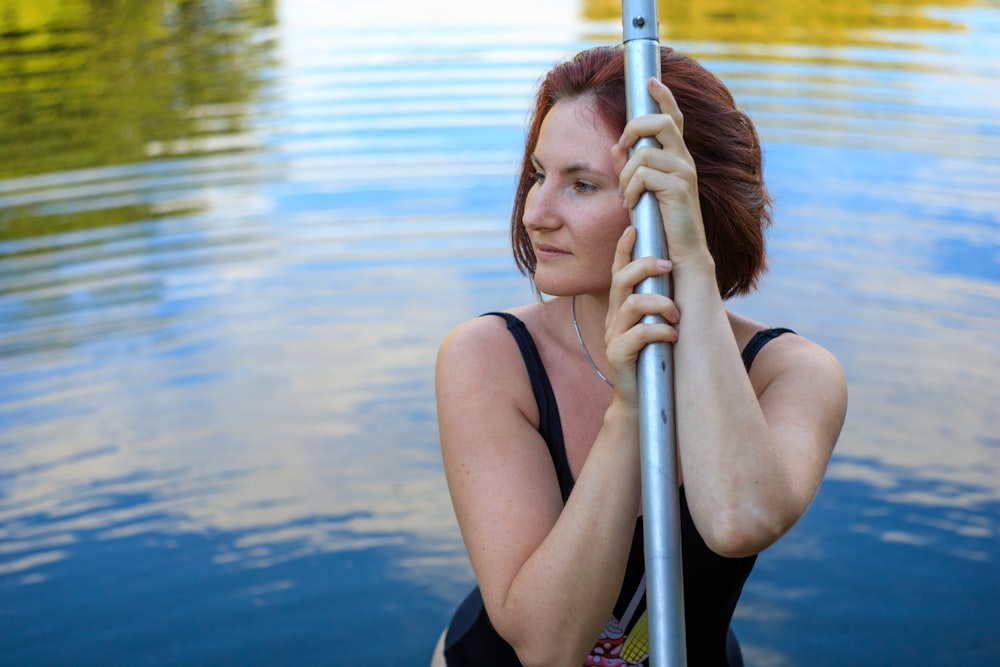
<point>91,83</point>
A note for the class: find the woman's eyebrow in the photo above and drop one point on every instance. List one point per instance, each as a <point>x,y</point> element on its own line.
<point>569,170</point>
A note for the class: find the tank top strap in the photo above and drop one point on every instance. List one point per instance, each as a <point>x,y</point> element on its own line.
<point>759,340</point>
<point>549,425</point>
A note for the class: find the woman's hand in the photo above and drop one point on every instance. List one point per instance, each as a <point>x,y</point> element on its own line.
<point>668,172</point>
<point>625,333</point>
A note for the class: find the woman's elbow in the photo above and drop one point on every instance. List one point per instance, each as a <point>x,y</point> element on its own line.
<point>737,534</point>
<point>549,656</point>
<point>550,648</point>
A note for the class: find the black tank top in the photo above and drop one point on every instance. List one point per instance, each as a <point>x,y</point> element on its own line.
<point>712,583</point>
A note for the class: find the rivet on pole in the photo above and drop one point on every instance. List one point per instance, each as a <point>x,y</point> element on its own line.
<point>638,21</point>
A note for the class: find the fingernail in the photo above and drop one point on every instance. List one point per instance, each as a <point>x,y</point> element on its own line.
<point>664,264</point>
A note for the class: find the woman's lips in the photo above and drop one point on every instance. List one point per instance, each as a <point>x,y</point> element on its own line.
<point>546,251</point>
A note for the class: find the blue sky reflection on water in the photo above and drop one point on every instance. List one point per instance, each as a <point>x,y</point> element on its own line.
<point>217,436</point>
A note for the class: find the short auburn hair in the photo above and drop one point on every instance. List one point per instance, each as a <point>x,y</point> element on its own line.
<point>735,204</point>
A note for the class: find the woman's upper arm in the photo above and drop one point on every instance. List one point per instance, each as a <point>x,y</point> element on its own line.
<point>804,401</point>
<point>500,475</point>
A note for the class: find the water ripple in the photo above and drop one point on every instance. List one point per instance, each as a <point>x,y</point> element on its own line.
<point>217,344</point>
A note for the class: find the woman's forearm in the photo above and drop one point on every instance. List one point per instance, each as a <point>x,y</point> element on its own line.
<point>735,478</point>
<point>562,597</point>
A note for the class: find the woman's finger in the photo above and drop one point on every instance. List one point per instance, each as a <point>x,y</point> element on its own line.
<point>628,334</point>
<point>665,100</point>
<point>625,280</point>
<point>620,288</point>
<point>656,171</point>
<point>625,308</point>
<point>667,126</point>
<point>624,349</point>
<point>623,251</point>
<point>660,127</point>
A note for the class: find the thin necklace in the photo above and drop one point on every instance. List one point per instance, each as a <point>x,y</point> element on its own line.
<point>583,346</point>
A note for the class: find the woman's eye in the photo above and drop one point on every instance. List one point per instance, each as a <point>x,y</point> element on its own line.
<point>583,186</point>
<point>537,177</point>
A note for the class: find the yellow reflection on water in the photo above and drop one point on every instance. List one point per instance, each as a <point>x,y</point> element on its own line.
<point>817,22</point>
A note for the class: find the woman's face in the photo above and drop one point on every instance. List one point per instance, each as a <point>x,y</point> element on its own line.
<point>573,213</point>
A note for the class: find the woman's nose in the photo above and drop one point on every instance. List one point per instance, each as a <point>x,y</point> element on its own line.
<point>539,209</point>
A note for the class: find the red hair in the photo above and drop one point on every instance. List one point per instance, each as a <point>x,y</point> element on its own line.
<point>735,204</point>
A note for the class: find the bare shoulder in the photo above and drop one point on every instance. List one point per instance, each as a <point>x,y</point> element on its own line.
<point>788,353</point>
<point>795,356</point>
<point>479,345</point>
<point>480,359</point>
<point>795,377</point>
<point>485,344</point>
<point>473,337</point>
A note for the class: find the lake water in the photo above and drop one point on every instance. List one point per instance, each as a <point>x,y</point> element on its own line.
<point>232,235</point>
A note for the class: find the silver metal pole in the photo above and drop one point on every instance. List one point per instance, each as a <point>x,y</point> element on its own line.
<point>657,436</point>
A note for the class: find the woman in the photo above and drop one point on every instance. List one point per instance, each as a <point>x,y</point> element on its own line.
<point>538,410</point>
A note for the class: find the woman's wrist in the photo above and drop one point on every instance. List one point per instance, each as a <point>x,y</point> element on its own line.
<point>695,283</point>
<point>693,265</point>
<point>621,413</point>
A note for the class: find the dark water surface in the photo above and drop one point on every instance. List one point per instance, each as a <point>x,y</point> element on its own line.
<point>232,235</point>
